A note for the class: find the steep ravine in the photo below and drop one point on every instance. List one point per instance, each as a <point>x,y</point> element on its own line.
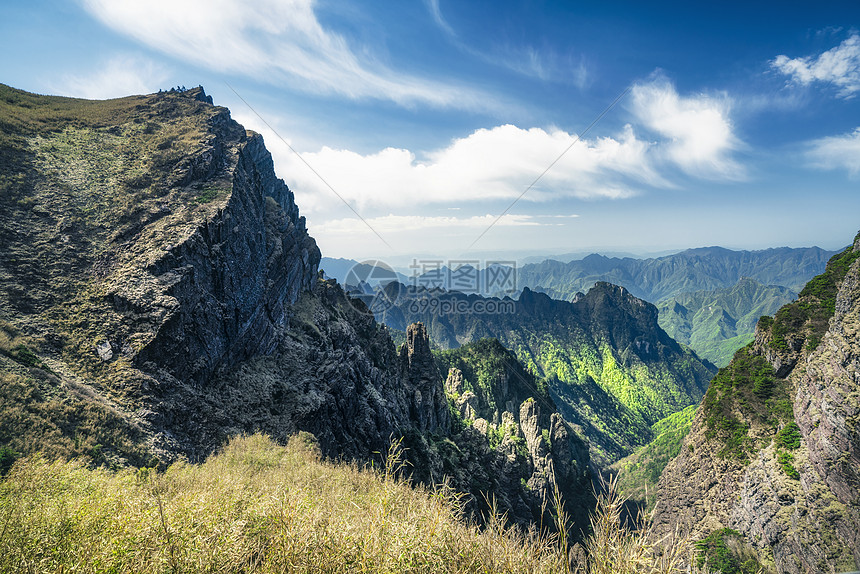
<point>611,369</point>
<point>774,450</point>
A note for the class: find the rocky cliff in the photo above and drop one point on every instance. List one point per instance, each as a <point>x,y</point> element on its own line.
<point>148,245</point>
<point>160,294</point>
<point>774,450</point>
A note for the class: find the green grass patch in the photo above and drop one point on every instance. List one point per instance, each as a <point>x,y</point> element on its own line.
<point>207,195</point>
<point>746,392</point>
<point>789,436</point>
<point>723,550</point>
<point>786,463</point>
<point>808,317</point>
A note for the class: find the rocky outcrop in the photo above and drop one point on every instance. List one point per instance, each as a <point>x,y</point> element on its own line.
<point>775,456</point>
<point>494,396</point>
<point>428,405</point>
<point>230,284</point>
<point>612,371</point>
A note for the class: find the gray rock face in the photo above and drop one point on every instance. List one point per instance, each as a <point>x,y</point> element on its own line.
<point>232,281</point>
<point>428,405</point>
<point>810,523</point>
<point>827,409</point>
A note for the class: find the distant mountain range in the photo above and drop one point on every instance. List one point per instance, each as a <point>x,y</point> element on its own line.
<point>709,298</point>
<point>652,279</point>
<point>701,269</point>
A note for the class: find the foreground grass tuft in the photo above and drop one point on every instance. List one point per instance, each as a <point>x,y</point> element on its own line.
<point>260,507</point>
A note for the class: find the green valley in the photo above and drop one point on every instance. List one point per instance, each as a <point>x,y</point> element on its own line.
<point>639,473</point>
<point>717,323</point>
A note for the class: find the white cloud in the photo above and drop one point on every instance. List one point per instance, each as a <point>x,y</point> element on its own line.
<point>696,131</point>
<point>837,152</point>
<point>119,76</point>
<point>275,41</point>
<point>488,164</point>
<point>839,66</point>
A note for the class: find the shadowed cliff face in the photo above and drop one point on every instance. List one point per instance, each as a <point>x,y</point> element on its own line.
<point>428,405</point>
<point>774,450</point>
<point>232,281</point>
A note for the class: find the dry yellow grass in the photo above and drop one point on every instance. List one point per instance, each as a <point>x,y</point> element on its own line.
<point>260,507</point>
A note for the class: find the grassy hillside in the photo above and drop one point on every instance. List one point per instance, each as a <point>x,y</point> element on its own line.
<point>260,507</point>
<point>57,414</point>
<point>717,323</point>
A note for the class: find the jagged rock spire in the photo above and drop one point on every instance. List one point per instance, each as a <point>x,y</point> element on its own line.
<point>428,405</point>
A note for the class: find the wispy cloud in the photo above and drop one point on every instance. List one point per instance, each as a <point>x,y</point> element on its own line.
<point>543,64</point>
<point>839,66</point>
<point>837,152</point>
<point>436,12</point>
<point>276,41</point>
<point>113,78</point>
<point>696,131</point>
<point>391,224</point>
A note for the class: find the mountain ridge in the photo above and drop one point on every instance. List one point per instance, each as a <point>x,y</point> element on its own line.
<point>602,353</point>
<point>717,323</point>
<point>654,279</point>
<point>161,295</point>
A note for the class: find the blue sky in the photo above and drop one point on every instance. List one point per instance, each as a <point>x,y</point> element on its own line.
<point>737,125</point>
